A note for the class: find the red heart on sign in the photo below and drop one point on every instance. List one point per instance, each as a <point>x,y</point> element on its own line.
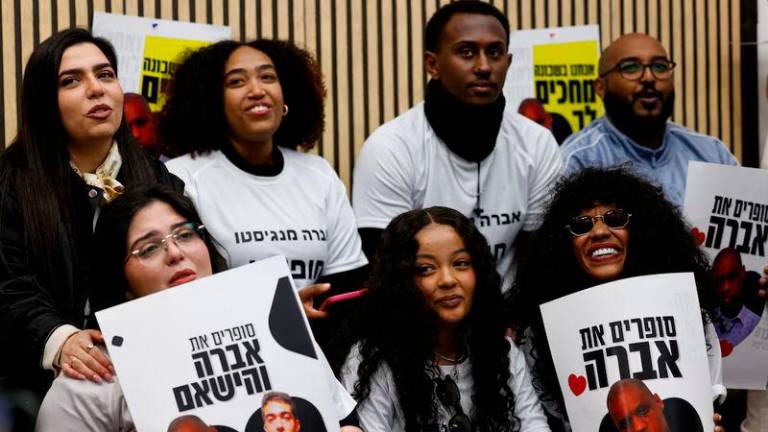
<point>698,236</point>
<point>577,383</point>
<point>726,348</point>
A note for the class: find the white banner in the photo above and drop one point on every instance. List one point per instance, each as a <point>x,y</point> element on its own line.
<point>641,342</point>
<point>215,347</point>
<point>727,208</point>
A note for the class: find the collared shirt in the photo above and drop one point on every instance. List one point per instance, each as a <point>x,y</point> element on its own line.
<point>736,329</point>
<point>602,145</point>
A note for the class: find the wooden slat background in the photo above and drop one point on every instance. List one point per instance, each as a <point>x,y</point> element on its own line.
<point>371,50</point>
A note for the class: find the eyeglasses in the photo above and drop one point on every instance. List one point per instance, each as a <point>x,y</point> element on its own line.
<point>448,393</point>
<point>182,236</point>
<point>614,219</point>
<point>633,70</point>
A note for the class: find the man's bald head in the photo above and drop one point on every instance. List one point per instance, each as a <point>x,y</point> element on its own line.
<point>636,100</point>
<point>627,46</point>
<point>633,407</point>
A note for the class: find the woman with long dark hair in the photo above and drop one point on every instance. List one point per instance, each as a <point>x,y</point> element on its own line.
<point>602,225</point>
<point>73,153</point>
<point>150,239</point>
<point>432,353</point>
<point>241,111</point>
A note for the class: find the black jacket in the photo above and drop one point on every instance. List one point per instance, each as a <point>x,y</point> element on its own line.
<point>30,309</point>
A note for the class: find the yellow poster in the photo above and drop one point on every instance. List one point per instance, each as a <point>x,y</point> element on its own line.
<point>161,58</point>
<point>564,75</point>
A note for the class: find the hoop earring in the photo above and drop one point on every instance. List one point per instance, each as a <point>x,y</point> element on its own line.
<point>285,110</point>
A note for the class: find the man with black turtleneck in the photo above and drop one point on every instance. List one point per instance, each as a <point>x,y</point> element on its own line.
<point>463,147</point>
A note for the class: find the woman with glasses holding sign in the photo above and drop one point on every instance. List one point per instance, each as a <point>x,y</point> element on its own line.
<point>602,225</point>
<point>73,154</point>
<point>431,351</point>
<point>150,239</point>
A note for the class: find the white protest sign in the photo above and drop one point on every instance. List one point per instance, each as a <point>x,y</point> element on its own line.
<point>129,34</point>
<point>727,207</point>
<point>623,335</point>
<point>215,347</point>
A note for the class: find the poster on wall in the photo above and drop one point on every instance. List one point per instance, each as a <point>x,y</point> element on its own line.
<point>148,49</point>
<point>630,346</point>
<point>557,66</point>
<point>727,208</point>
<point>233,349</point>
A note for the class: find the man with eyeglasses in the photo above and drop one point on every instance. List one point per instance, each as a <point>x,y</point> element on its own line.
<point>637,87</point>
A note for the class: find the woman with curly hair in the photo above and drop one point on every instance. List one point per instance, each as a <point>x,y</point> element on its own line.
<point>602,225</point>
<point>432,353</point>
<point>241,111</point>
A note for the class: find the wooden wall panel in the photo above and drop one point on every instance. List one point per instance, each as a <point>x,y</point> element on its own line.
<point>371,55</point>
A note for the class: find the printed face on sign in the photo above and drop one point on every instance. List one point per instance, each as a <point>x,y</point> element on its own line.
<point>633,407</point>
<point>279,417</point>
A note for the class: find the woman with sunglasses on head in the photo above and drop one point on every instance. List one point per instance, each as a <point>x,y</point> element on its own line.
<point>431,354</point>
<point>72,154</point>
<point>602,225</point>
<point>241,112</point>
<point>150,239</point>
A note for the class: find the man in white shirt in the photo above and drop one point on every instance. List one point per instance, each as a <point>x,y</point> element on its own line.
<point>463,147</point>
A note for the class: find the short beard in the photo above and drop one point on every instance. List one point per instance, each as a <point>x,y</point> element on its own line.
<point>622,115</point>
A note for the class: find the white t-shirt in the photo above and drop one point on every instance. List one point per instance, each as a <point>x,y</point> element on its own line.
<point>302,213</point>
<point>403,165</point>
<point>381,411</point>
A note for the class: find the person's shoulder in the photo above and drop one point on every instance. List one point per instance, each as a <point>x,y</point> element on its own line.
<point>707,147</point>
<point>313,170</point>
<point>592,135</point>
<point>192,163</point>
<point>402,132</point>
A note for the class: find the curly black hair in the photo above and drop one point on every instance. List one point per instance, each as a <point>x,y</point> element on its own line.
<point>193,118</point>
<point>660,241</point>
<point>398,329</point>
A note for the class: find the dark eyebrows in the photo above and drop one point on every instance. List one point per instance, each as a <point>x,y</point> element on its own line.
<point>454,253</point>
<point>243,70</point>
<point>155,232</point>
<point>97,67</point>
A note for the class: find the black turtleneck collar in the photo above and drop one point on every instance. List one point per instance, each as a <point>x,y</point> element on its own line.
<point>470,131</point>
<point>271,170</point>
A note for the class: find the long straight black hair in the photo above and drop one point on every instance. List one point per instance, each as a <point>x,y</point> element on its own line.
<point>35,168</point>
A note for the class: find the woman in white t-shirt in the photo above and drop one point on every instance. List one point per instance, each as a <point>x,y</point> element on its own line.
<point>239,112</point>
<point>431,354</point>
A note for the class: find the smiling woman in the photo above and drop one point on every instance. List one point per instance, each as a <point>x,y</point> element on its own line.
<point>243,112</point>
<point>73,154</point>
<point>602,225</point>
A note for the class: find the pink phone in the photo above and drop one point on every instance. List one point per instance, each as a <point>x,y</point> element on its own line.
<point>330,301</point>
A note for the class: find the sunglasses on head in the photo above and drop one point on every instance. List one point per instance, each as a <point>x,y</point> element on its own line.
<point>448,394</point>
<point>614,219</point>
